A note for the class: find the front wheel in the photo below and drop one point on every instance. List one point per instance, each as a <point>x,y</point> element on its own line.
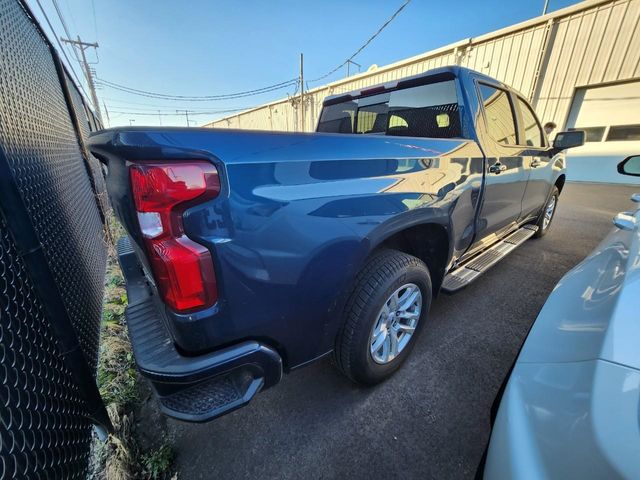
<point>548,213</point>
<point>383,316</point>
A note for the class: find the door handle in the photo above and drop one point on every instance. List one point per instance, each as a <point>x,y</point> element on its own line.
<point>497,168</point>
<point>536,163</point>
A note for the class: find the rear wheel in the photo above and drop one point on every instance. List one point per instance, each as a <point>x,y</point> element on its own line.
<point>548,213</point>
<point>383,316</point>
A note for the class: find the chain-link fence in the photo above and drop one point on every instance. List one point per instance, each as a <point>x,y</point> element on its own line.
<point>52,259</point>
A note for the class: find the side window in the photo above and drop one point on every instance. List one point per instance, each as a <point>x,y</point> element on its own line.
<point>532,132</point>
<point>499,114</point>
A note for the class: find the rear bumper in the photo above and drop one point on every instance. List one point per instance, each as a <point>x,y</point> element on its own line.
<point>191,388</point>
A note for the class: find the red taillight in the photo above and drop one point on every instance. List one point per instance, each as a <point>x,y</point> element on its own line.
<point>183,269</point>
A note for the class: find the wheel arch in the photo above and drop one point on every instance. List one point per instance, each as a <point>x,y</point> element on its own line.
<point>427,241</point>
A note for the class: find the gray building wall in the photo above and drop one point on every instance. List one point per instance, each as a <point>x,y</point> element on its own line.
<point>546,58</point>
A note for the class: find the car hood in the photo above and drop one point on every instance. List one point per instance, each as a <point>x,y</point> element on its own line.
<point>594,311</point>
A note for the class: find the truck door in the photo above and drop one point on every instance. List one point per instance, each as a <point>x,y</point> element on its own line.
<point>505,172</point>
<point>536,160</point>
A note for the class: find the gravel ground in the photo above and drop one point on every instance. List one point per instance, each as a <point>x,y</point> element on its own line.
<point>431,420</point>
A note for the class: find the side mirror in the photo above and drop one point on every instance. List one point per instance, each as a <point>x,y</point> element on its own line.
<point>570,139</point>
<point>630,166</point>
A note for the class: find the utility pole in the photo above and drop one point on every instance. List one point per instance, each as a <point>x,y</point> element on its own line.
<point>349,62</point>
<point>301,92</point>
<point>82,46</point>
<point>546,6</point>
<point>106,112</point>
<point>186,113</point>
<point>160,117</point>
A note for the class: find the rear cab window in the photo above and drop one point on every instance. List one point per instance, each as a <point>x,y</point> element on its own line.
<point>372,118</point>
<point>339,118</point>
<point>429,110</point>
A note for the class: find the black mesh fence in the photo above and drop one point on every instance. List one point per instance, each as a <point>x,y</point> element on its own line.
<point>52,259</point>
<point>45,430</point>
<point>88,123</point>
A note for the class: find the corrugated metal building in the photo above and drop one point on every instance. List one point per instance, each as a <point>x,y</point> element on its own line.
<point>556,60</point>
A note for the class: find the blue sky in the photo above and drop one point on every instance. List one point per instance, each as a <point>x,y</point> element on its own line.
<point>202,47</point>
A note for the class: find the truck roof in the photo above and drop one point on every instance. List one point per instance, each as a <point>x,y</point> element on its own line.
<point>450,71</point>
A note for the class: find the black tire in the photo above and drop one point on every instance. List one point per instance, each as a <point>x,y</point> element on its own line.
<point>542,229</point>
<point>383,274</point>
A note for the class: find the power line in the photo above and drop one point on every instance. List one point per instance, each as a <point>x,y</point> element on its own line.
<point>95,21</point>
<point>65,27</point>
<point>87,71</point>
<point>70,11</point>
<point>155,106</point>
<point>163,108</point>
<point>350,59</point>
<point>62,50</point>
<point>198,99</point>
<point>180,112</point>
<point>84,64</point>
<point>194,98</point>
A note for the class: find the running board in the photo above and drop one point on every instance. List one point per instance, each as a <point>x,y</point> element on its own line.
<point>467,272</point>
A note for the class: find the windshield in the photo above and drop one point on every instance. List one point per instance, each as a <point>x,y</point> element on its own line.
<point>424,111</point>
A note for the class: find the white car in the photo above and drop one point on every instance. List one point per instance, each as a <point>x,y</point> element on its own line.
<point>571,407</point>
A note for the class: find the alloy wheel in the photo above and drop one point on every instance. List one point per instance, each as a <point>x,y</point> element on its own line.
<point>548,212</point>
<point>396,323</point>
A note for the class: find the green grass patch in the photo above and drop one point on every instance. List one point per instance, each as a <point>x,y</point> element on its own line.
<point>121,458</point>
<point>157,463</point>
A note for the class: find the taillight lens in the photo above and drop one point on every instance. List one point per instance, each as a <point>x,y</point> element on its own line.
<point>182,268</point>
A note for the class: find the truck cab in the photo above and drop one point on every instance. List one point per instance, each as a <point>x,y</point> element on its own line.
<point>453,102</point>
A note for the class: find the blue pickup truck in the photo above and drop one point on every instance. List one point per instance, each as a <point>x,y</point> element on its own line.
<point>253,253</point>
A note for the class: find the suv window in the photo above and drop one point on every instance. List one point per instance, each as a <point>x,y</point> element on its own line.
<point>499,114</point>
<point>429,110</point>
<point>532,132</point>
<point>623,132</point>
<point>592,134</point>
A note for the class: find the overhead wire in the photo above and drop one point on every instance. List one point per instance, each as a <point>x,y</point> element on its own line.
<point>192,98</point>
<point>195,98</point>
<point>95,21</point>
<point>181,112</point>
<point>384,25</point>
<point>62,50</point>
<point>65,27</point>
<point>164,108</point>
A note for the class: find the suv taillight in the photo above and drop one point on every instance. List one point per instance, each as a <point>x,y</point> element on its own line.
<point>182,268</point>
